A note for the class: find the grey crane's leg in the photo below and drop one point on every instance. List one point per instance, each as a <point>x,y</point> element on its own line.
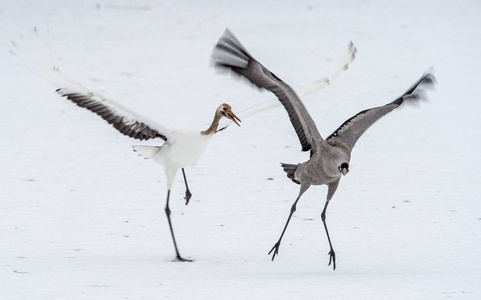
<point>188,194</point>
<point>332,189</point>
<point>167,212</point>
<point>293,209</point>
<point>332,254</point>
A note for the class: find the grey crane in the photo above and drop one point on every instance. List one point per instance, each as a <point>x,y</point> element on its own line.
<point>329,158</point>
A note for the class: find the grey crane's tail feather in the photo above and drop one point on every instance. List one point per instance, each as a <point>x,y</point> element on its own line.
<point>290,169</point>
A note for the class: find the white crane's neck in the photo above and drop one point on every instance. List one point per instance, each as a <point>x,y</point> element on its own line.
<point>213,127</point>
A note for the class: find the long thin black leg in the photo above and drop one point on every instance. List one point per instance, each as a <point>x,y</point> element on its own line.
<point>167,212</point>
<point>332,254</point>
<point>188,194</point>
<point>278,244</point>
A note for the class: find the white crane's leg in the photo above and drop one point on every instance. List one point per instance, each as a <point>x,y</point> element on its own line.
<point>170,174</point>
<point>167,212</point>
<point>293,209</point>
<point>188,194</point>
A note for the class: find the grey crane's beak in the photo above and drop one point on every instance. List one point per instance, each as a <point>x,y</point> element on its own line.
<point>344,168</point>
<point>233,117</point>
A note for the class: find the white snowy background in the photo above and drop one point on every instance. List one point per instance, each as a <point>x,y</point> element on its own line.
<point>82,216</point>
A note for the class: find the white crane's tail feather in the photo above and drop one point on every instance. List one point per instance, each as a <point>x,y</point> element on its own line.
<point>146,151</point>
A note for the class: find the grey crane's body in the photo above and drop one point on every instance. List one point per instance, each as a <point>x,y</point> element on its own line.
<point>329,158</point>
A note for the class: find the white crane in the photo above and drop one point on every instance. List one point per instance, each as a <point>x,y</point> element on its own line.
<point>329,158</point>
<point>182,147</point>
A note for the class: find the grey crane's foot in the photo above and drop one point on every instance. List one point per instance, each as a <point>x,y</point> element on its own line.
<point>187,197</point>
<point>332,259</point>
<point>181,259</point>
<point>275,249</point>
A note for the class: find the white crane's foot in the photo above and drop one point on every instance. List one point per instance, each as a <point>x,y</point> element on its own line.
<point>187,197</point>
<point>332,259</point>
<point>275,249</point>
<point>181,259</point>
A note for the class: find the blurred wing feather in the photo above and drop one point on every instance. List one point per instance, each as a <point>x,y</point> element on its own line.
<point>352,129</point>
<point>33,49</point>
<point>229,53</point>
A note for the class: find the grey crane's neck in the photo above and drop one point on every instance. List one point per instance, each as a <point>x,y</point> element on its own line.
<point>213,127</point>
<point>332,155</point>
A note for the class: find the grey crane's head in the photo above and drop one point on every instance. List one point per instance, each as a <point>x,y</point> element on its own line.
<point>344,168</point>
<point>226,111</point>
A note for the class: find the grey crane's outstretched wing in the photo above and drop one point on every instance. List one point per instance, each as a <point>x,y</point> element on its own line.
<point>229,53</point>
<point>316,86</point>
<point>353,128</point>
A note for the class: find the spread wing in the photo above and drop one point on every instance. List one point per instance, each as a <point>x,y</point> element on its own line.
<point>125,120</point>
<point>33,50</point>
<point>229,53</point>
<point>316,86</point>
<point>353,128</point>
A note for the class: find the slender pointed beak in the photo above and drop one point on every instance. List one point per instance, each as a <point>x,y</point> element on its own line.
<point>344,171</point>
<point>233,117</point>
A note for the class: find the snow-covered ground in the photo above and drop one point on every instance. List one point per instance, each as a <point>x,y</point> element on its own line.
<point>82,216</point>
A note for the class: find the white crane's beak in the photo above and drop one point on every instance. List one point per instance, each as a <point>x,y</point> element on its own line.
<point>233,117</point>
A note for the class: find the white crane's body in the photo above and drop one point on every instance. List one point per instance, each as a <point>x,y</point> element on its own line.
<point>185,151</point>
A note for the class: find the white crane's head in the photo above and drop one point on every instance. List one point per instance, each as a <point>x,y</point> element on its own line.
<point>226,111</point>
<point>344,168</point>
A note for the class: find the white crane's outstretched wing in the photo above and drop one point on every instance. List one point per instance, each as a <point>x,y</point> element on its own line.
<point>352,129</point>
<point>318,85</point>
<point>229,53</point>
<point>35,53</point>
